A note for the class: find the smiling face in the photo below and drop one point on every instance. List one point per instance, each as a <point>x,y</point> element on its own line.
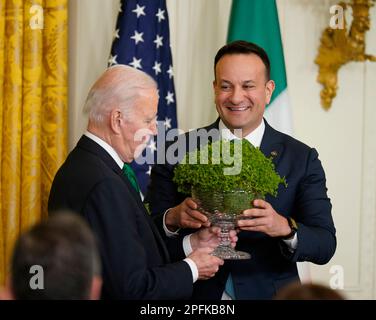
<point>241,91</point>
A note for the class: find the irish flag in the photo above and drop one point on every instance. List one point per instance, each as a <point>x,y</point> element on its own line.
<point>257,21</point>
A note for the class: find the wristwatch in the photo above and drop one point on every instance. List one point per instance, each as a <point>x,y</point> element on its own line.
<point>294,228</point>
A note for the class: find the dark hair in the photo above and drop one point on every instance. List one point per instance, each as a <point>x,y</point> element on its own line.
<point>308,291</point>
<point>244,47</point>
<point>65,248</point>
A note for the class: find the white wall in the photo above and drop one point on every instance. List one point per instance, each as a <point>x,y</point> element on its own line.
<point>91,26</point>
<point>198,29</point>
<point>344,136</point>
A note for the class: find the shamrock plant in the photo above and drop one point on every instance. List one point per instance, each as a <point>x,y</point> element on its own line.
<point>206,167</point>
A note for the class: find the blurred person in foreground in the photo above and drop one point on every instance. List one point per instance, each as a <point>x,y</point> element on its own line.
<point>55,260</point>
<point>308,291</point>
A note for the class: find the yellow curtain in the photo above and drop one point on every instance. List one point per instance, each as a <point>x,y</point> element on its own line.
<point>33,112</point>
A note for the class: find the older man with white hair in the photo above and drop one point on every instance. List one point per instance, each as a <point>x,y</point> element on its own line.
<point>97,182</point>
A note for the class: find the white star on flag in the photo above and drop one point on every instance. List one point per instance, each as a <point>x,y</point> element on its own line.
<point>137,37</point>
<point>136,63</point>
<point>152,146</point>
<point>139,11</point>
<point>116,34</point>
<point>157,67</point>
<point>112,60</point>
<point>170,72</point>
<point>167,123</point>
<point>160,15</point>
<point>141,39</point>
<point>170,97</point>
<point>158,41</point>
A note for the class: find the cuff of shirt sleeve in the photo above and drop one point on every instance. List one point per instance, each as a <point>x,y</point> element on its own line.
<point>187,245</point>
<point>193,267</point>
<point>169,233</point>
<point>292,243</point>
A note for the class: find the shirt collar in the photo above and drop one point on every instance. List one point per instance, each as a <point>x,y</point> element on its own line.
<point>111,151</point>
<point>254,137</point>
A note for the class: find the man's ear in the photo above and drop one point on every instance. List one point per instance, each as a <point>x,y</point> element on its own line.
<point>116,120</point>
<point>269,88</point>
<point>96,287</point>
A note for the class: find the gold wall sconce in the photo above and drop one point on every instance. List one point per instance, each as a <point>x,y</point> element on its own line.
<point>340,46</point>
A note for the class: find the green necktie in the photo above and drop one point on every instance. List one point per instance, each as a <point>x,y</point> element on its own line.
<point>129,173</point>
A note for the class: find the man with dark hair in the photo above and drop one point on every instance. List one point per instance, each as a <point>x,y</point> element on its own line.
<point>56,259</point>
<point>297,225</point>
<point>243,47</point>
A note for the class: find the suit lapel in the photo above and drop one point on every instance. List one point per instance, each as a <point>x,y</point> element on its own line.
<point>271,144</point>
<point>157,235</point>
<point>92,147</point>
<point>154,229</point>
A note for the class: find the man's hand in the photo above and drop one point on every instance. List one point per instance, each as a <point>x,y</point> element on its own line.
<point>264,218</point>
<point>210,237</point>
<point>207,264</point>
<point>185,215</point>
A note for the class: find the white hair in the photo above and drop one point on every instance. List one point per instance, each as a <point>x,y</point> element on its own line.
<point>118,87</point>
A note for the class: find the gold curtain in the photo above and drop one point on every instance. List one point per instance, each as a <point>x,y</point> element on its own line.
<point>33,112</point>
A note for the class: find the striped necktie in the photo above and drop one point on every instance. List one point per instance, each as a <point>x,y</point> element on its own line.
<point>129,173</point>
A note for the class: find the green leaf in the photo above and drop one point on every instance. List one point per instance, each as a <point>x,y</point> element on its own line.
<point>257,174</point>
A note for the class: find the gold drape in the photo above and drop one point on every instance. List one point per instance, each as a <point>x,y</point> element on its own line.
<point>33,112</point>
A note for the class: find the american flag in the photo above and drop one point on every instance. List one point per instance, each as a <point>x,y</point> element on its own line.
<point>142,40</point>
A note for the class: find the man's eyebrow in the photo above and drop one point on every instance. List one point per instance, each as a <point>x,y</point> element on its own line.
<point>245,81</point>
<point>248,81</point>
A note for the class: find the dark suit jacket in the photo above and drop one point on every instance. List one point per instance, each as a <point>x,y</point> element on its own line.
<point>136,263</point>
<point>305,199</point>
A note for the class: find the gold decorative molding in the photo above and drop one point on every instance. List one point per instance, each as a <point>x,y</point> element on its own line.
<point>338,47</point>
